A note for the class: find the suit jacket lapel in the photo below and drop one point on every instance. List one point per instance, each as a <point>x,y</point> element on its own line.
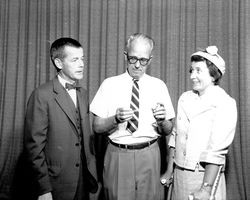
<point>83,108</point>
<point>81,104</point>
<point>62,99</point>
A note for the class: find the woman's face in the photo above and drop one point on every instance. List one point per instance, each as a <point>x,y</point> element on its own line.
<point>200,77</point>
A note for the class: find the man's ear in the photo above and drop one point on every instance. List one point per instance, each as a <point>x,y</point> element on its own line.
<point>151,57</point>
<point>125,55</point>
<point>58,63</point>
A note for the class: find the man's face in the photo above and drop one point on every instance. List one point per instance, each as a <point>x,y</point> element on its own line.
<point>72,65</point>
<point>139,50</point>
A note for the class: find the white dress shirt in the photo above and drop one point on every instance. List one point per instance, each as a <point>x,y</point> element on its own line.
<point>72,92</point>
<point>115,92</point>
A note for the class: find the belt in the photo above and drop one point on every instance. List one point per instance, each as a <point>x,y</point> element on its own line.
<point>134,146</point>
<point>197,168</point>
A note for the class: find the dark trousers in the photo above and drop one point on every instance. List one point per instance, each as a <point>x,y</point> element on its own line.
<point>81,191</point>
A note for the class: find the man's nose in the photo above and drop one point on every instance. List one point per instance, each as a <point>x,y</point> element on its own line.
<point>81,63</point>
<point>137,64</point>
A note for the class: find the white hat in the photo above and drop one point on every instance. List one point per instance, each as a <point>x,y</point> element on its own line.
<point>210,53</point>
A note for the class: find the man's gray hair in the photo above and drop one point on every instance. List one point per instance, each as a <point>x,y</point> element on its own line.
<point>137,36</point>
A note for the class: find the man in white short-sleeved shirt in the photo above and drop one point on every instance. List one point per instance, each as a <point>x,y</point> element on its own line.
<point>132,159</point>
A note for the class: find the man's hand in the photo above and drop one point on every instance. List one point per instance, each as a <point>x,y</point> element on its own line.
<point>159,112</point>
<point>123,115</point>
<point>47,196</point>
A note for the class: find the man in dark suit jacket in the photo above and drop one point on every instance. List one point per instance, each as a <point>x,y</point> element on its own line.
<point>57,130</point>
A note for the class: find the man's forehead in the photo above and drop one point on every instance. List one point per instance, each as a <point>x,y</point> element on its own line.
<point>140,46</point>
<point>73,50</point>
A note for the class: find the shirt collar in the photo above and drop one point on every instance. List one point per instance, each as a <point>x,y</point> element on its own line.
<point>144,77</point>
<point>62,81</point>
<point>212,95</point>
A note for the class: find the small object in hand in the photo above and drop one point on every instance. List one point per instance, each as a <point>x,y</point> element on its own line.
<point>155,125</point>
<point>190,197</point>
<point>157,107</point>
<point>167,183</point>
<point>163,181</point>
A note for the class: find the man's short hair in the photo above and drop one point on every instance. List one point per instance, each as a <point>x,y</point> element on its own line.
<point>137,36</point>
<point>57,47</point>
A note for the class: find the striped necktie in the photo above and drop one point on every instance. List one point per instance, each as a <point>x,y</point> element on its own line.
<point>134,105</point>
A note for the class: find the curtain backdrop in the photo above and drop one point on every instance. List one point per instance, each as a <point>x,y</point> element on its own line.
<point>179,27</point>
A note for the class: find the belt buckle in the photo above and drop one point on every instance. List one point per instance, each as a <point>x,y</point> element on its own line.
<point>151,142</point>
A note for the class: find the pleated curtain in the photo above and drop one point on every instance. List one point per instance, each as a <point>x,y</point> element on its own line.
<point>179,28</point>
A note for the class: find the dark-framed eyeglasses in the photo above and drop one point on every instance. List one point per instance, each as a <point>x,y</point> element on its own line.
<point>134,59</point>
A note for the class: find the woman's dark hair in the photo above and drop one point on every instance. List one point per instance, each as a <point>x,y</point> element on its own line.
<point>213,70</point>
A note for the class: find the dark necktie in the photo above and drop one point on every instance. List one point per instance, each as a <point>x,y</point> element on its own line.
<point>72,86</point>
<point>134,105</point>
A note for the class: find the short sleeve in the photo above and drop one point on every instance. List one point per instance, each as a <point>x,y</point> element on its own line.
<point>99,104</point>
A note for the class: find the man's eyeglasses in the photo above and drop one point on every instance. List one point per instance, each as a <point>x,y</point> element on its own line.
<point>134,59</point>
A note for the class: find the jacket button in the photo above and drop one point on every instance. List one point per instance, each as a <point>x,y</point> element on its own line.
<point>77,144</point>
<point>77,164</point>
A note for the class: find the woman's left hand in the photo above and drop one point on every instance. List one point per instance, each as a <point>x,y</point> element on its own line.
<point>201,194</point>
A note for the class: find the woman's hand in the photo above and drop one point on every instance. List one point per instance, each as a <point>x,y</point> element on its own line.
<point>201,194</point>
<point>167,178</point>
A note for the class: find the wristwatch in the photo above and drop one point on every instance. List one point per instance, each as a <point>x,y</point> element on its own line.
<point>207,187</point>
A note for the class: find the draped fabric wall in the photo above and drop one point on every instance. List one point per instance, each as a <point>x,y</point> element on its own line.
<point>28,27</point>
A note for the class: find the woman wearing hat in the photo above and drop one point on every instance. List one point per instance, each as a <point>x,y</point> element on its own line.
<point>205,127</point>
